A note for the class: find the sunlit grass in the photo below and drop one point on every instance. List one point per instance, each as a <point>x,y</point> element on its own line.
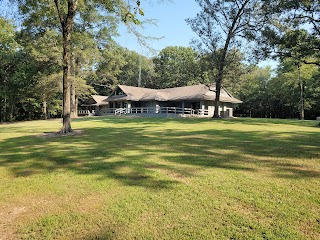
<point>126,178</point>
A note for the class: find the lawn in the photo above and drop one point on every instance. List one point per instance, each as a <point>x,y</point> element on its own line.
<point>140,178</point>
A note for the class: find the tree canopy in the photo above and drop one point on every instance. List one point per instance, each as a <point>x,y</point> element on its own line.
<point>32,63</point>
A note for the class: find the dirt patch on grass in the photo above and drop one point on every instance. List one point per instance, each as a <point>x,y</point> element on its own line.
<point>57,134</point>
<point>179,177</point>
<point>310,228</point>
<point>8,221</point>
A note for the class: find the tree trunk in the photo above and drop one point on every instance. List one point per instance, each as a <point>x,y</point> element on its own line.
<point>5,102</point>
<point>66,24</point>
<point>222,62</point>
<point>66,128</point>
<point>216,103</point>
<point>220,75</point>
<point>29,110</point>
<point>76,107</point>
<point>44,109</point>
<point>301,93</point>
<point>1,111</point>
<point>73,98</point>
<point>73,88</point>
<point>10,112</point>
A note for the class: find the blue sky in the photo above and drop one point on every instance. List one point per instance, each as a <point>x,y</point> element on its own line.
<point>171,25</point>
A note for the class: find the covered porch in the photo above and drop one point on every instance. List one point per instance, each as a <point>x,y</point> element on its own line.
<point>200,108</point>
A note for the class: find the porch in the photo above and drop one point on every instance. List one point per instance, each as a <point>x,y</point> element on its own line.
<point>156,111</point>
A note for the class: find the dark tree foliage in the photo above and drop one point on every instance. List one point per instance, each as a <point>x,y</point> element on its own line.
<point>295,26</point>
<point>278,96</point>
<point>293,34</point>
<point>40,14</point>
<point>176,67</point>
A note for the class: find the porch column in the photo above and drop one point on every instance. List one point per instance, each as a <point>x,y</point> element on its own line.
<point>128,106</point>
<point>202,106</point>
<point>231,112</point>
<point>223,110</point>
<point>182,106</point>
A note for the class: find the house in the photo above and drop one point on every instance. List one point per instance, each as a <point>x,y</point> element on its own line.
<point>94,105</point>
<point>190,100</point>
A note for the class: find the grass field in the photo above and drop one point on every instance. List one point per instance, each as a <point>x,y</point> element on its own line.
<point>139,178</point>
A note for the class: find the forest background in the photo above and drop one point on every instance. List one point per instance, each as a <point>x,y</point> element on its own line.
<point>32,66</point>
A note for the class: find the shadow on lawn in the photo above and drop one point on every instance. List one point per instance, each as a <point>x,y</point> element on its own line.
<point>242,120</point>
<point>136,155</point>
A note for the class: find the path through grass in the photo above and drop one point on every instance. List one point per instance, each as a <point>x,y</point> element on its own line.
<point>139,178</point>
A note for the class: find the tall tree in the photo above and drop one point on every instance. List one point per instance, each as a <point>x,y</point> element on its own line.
<point>300,76</point>
<point>253,92</point>
<point>135,66</point>
<point>8,46</point>
<point>295,44</point>
<point>84,55</point>
<point>175,67</point>
<point>297,20</point>
<point>42,14</point>
<point>105,78</point>
<point>17,69</point>
<point>48,87</point>
<point>220,25</point>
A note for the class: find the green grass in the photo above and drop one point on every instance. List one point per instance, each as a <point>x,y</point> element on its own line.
<point>140,178</point>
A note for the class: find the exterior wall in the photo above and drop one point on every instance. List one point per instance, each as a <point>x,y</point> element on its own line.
<point>229,109</point>
<point>225,109</point>
<point>210,107</point>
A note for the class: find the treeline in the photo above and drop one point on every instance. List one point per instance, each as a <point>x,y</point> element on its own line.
<point>31,61</point>
<point>278,95</point>
<point>31,86</point>
<point>31,69</point>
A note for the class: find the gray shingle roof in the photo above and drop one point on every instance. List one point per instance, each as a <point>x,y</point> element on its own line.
<point>195,92</point>
<point>96,100</point>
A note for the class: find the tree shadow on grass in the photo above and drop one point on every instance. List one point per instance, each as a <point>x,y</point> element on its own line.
<point>284,156</point>
<point>245,121</point>
<point>156,159</point>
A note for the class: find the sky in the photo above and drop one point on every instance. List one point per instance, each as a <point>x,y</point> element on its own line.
<point>171,26</point>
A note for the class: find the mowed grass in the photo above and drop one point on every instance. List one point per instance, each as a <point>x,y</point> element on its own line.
<point>140,178</point>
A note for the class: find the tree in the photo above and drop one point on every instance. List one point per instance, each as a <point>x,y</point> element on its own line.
<point>220,25</point>
<point>135,66</point>
<point>175,67</point>
<point>296,13</point>
<point>105,78</point>
<point>8,46</point>
<point>48,87</point>
<point>17,69</point>
<point>297,45</point>
<point>298,77</point>
<point>279,96</point>
<point>293,21</point>
<point>84,55</point>
<point>42,15</point>
<point>254,93</point>
<point>233,70</point>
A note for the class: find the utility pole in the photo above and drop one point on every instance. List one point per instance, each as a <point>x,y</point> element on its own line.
<point>140,62</point>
